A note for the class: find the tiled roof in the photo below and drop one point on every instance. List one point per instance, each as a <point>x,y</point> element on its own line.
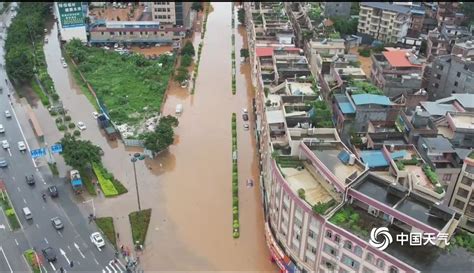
<point>398,58</point>
<point>268,51</point>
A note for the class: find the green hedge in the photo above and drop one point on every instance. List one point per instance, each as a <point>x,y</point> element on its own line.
<point>30,257</point>
<point>235,182</point>
<point>9,211</point>
<point>139,221</point>
<point>86,180</point>
<point>42,96</point>
<point>106,185</point>
<point>117,184</point>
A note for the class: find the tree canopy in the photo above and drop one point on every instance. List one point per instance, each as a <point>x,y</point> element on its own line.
<point>78,153</point>
<point>27,26</point>
<point>244,53</point>
<point>188,49</point>
<point>163,136</point>
<point>241,16</point>
<point>197,6</point>
<point>344,26</point>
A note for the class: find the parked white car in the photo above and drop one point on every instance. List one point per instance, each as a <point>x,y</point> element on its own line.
<point>21,146</point>
<point>64,64</point>
<point>95,115</point>
<point>97,240</point>
<point>8,114</point>
<point>81,126</point>
<point>2,129</point>
<point>5,144</point>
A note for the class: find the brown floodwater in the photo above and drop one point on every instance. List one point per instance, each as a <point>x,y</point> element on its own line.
<point>189,186</point>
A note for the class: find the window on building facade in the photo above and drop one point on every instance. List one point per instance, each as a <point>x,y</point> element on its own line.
<point>349,262</point>
<point>358,251</point>
<point>348,245</point>
<point>447,177</point>
<point>466,181</point>
<point>311,234</point>
<point>393,269</point>
<point>462,193</point>
<point>329,249</point>
<point>380,264</point>
<point>131,32</point>
<point>369,257</point>
<point>337,238</point>
<point>328,234</point>
<point>102,33</point>
<point>455,83</point>
<point>367,270</point>
<point>112,33</point>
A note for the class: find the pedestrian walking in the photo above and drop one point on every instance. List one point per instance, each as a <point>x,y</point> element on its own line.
<point>118,235</point>
<point>61,269</point>
<point>71,264</point>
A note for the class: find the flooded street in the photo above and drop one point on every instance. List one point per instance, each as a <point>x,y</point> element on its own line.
<point>189,186</point>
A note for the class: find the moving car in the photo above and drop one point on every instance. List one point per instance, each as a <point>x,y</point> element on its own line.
<point>95,115</point>
<point>5,144</point>
<point>244,111</point>
<point>53,191</point>
<point>21,146</point>
<point>64,64</point>
<point>7,114</point>
<point>57,223</point>
<point>81,126</point>
<point>246,126</point>
<point>49,254</point>
<point>30,179</point>
<point>245,117</point>
<point>97,240</point>
<point>2,129</point>
<point>3,162</point>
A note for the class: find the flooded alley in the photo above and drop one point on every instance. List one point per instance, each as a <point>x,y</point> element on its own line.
<point>189,186</point>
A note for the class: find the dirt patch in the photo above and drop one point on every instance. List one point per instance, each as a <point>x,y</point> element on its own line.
<point>365,62</point>
<point>111,13</point>
<point>154,50</point>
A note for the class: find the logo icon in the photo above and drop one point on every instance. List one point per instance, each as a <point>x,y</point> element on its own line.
<point>381,231</point>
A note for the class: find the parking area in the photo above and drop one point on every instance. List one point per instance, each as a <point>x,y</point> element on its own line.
<point>124,13</point>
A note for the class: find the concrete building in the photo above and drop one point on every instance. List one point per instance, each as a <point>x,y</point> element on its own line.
<point>458,128</point>
<point>439,153</point>
<point>71,20</point>
<point>453,74</point>
<point>325,47</point>
<point>462,200</point>
<point>446,13</point>
<point>397,72</point>
<point>383,21</point>
<point>416,125</point>
<point>336,9</point>
<point>175,13</point>
<point>135,32</point>
<point>440,42</point>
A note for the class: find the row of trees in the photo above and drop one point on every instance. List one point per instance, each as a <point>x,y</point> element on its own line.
<point>187,53</point>
<point>26,29</point>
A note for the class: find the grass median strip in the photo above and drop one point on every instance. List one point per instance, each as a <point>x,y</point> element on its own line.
<point>235,181</point>
<point>106,225</point>
<point>139,221</point>
<point>106,185</point>
<point>9,211</point>
<point>32,261</point>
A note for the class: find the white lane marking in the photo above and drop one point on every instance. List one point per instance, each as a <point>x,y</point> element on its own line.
<point>120,266</point>
<point>80,252</point>
<point>44,268</point>
<point>46,240</point>
<point>2,226</point>
<point>37,226</point>
<point>22,134</point>
<point>95,260</point>
<point>69,248</point>
<point>24,201</point>
<point>16,242</point>
<point>108,269</point>
<point>42,179</point>
<point>60,234</point>
<point>19,190</point>
<point>8,263</point>
<point>64,254</point>
<point>111,263</point>
<point>9,152</point>
<point>123,266</point>
<point>77,262</point>
<point>103,271</point>
<point>100,250</point>
<point>44,182</point>
<point>52,265</point>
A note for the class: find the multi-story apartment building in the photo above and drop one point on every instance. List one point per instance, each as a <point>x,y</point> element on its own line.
<point>323,47</point>
<point>383,21</point>
<point>446,13</point>
<point>462,199</point>
<point>439,153</point>
<point>440,42</point>
<point>397,72</point>
<point>174,13</point>
<point>135,32</point>
<point>453,73</point>
<point>336,9</point>
<point>416,125</point>
<point>458,128</point>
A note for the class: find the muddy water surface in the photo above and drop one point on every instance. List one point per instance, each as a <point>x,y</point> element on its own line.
<point>189,186</point>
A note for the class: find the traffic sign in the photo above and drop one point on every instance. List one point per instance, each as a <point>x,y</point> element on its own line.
<point>38,153</point>
<point>56,148</point>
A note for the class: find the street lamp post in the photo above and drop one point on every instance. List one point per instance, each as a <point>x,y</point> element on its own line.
<point>134,159</point>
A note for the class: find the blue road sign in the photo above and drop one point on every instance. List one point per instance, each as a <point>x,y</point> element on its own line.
<point>56,148</point>
<point>38,153</point>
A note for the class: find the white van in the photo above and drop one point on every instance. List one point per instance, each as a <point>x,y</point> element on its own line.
<point>179,109</point>
<point>27,213</point>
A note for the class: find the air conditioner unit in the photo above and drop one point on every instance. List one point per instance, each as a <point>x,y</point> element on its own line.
<point>373,211</point>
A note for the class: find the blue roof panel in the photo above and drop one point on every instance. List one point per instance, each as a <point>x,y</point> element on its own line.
<point>374,159</point>
<point>399,154</point>
<point>361,99</point>
<point>346,108</point>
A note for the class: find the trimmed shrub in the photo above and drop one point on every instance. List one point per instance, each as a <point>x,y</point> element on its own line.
<point>71,125</point>
<point>59,120</point>
<point>67,118</point>
<point>106,185</point>
<point>62,127</point>
<point>77,133</point>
